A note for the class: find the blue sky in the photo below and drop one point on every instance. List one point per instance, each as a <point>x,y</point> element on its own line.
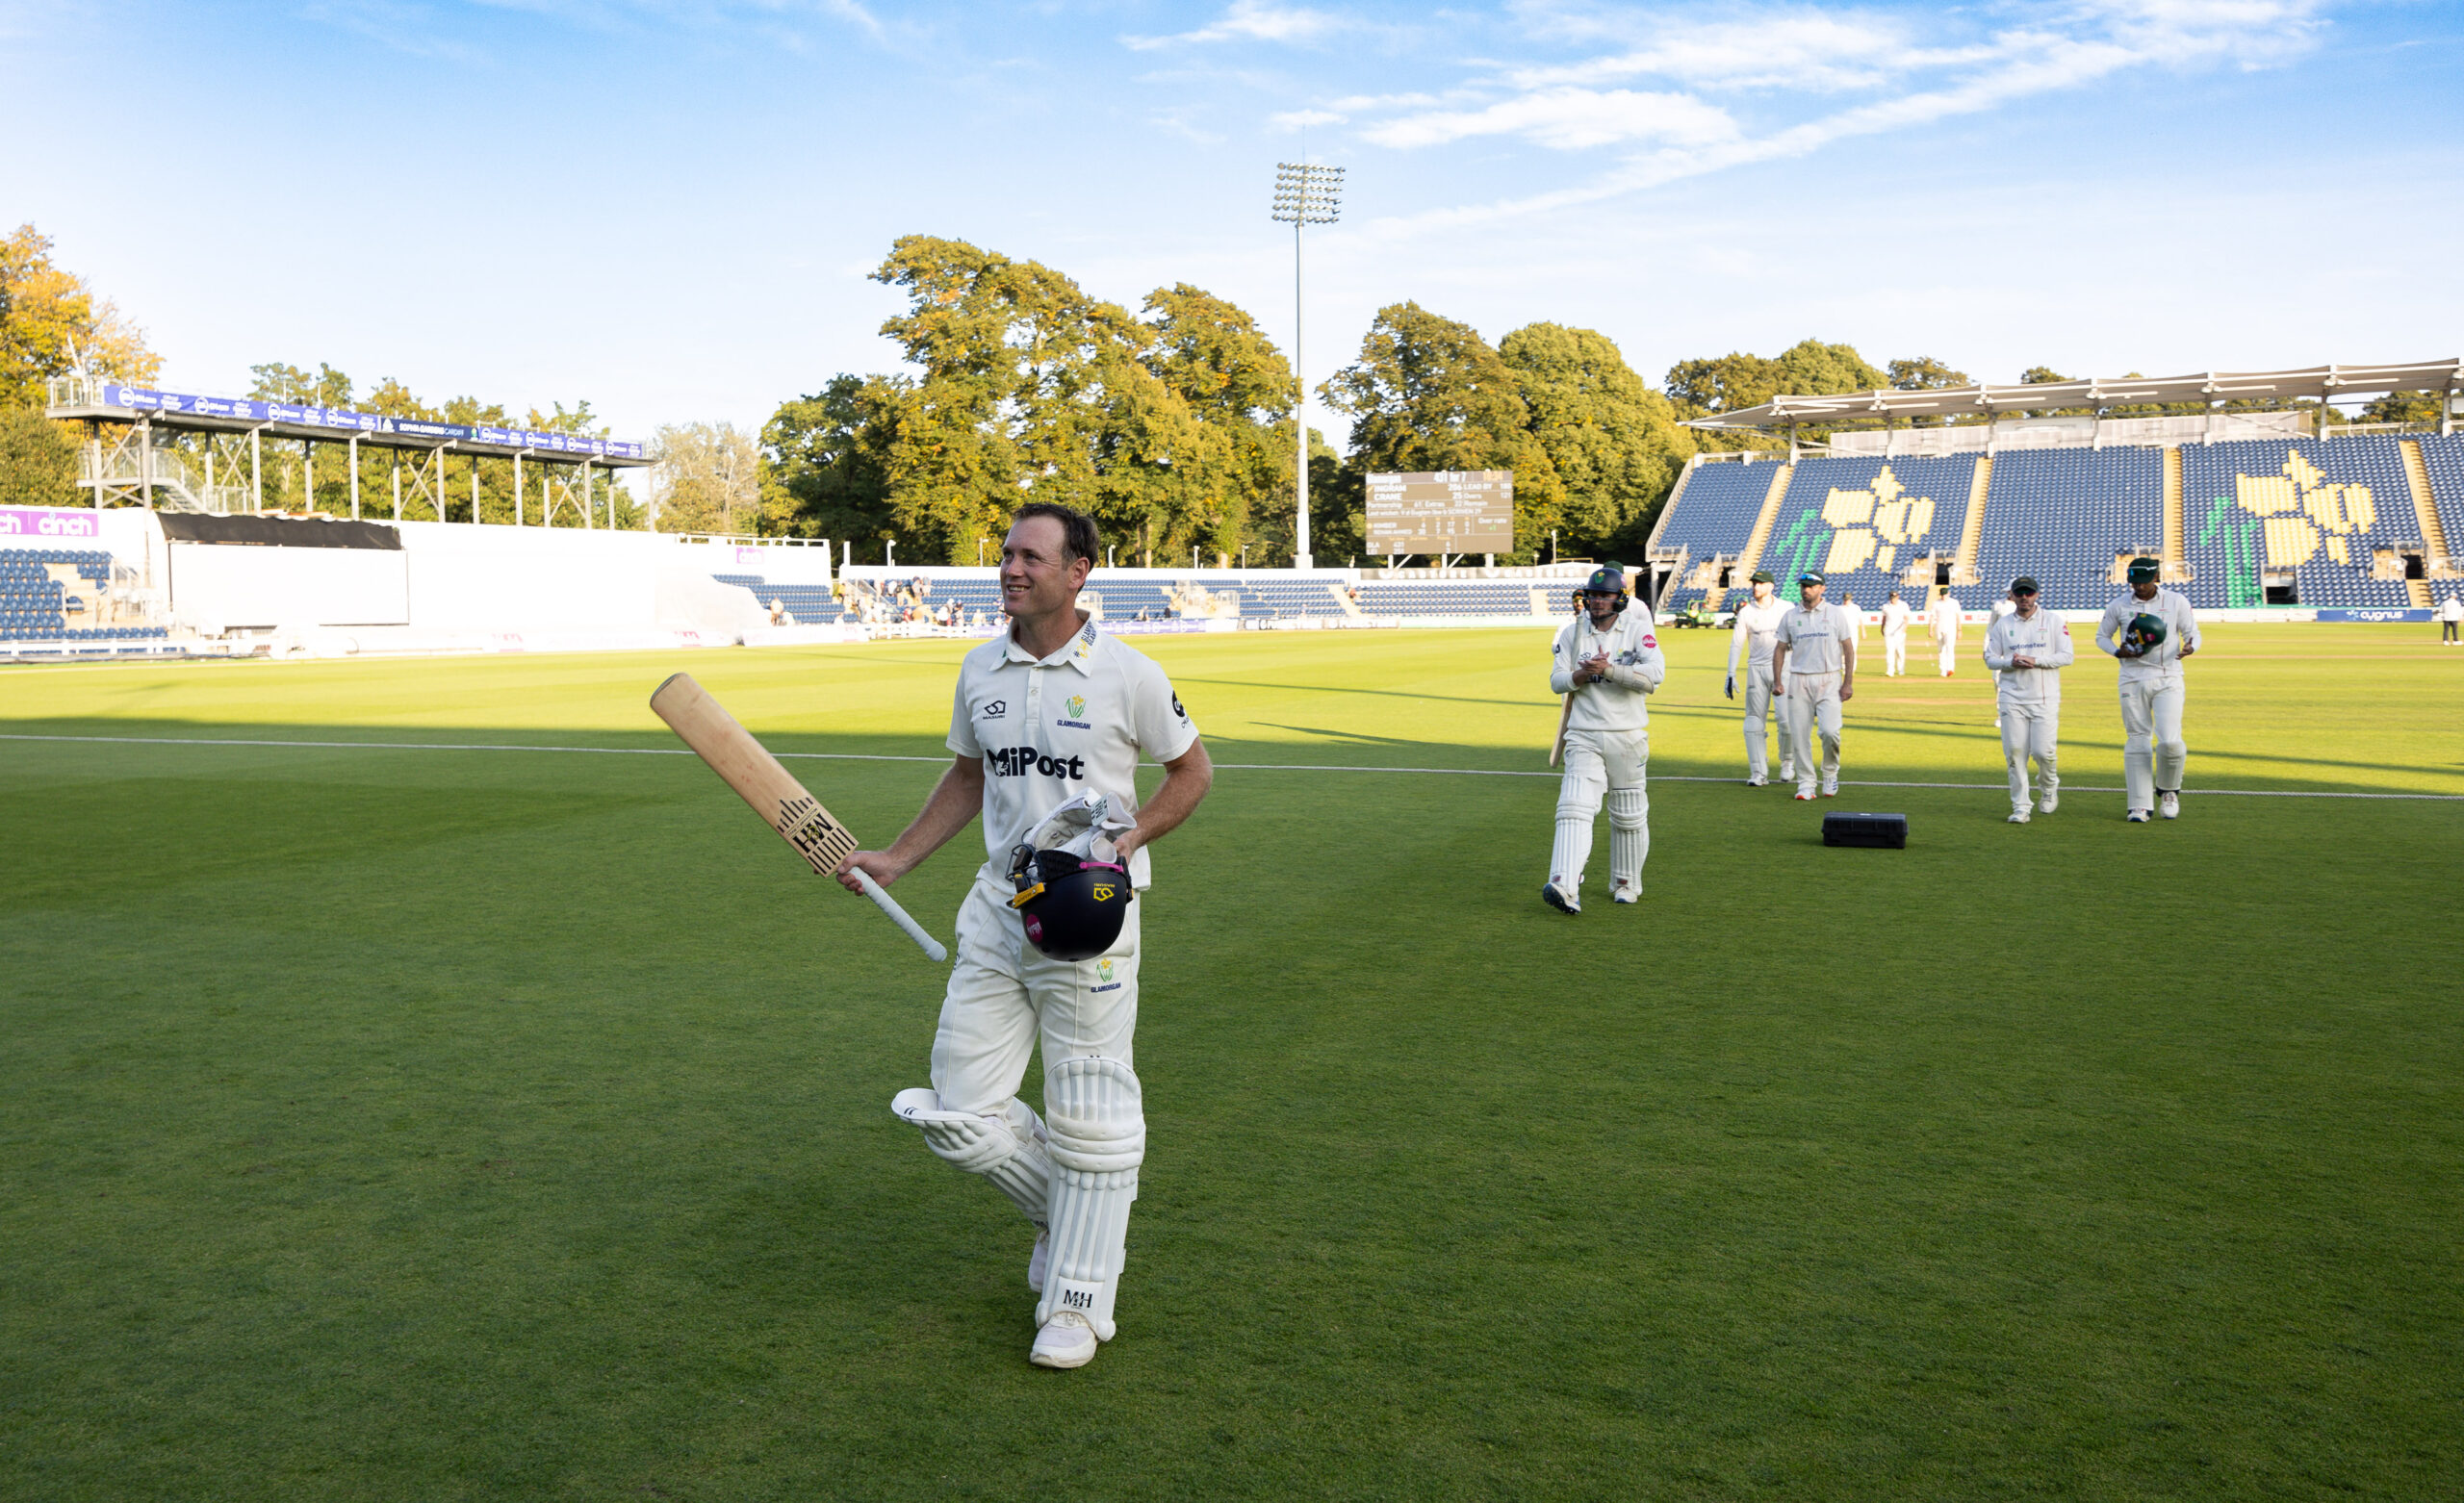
<point>670,208</point>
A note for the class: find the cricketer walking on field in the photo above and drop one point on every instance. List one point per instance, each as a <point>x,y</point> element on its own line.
<point>1046,729</point>
<point>1757,620</point>
<point>1896,614</point>
<point>2027,649</point>
<point>1608,662</point>
<point>2150,631</point>
<point>1814,668</point>
<point>1945,619</point>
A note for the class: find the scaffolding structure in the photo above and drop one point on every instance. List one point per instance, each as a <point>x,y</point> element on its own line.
<point>126,460</point>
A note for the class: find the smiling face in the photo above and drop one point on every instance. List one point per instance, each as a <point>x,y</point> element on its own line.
<point>1038,576</point>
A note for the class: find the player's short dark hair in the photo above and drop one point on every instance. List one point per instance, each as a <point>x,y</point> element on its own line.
<point>1077,529</point>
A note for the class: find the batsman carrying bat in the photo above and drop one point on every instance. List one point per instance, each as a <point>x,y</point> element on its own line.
<point>1049,721</point>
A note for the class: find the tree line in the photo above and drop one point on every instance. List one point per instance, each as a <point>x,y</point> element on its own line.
<point>1171,426</point>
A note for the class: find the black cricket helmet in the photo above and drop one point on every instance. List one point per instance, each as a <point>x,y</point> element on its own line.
<point>1604,579</point>
<point>2144,631</point>
<point>1072,906</point>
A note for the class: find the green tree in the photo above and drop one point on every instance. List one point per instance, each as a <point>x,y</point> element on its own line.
<point>1614,442</point>
<point>37,460</point>
<point>1925,373</point>
<point>1429,394</point>
<point>1737,381</point>
<point>50,320</point>
<point>1211,354</point>
<point>825,473</point>
<point>2401,407</point>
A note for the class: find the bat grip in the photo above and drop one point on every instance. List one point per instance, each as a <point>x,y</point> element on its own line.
<point>899,916</point>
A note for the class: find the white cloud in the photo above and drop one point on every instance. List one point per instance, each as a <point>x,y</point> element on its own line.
<point>1568,119</point>
<point>1252,20</point>
<point>1303,119</point>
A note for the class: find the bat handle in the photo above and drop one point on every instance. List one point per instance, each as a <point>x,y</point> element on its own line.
<point>898,916</point>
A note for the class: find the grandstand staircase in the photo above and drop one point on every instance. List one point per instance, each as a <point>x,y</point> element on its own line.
<point>2175,563</point>
<point>2425,510</point>
<point>1972,528</point>
<point>1763,521</point>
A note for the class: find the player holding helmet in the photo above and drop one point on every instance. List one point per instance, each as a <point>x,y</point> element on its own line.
<point>1606,662</point>
<point>2150,629</point>
<point>1757,619</point>
<point>1047,726</point>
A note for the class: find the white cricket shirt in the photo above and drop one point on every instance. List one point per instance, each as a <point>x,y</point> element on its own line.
<point>2181,630</point>
<point>1755,623</point>
<point>1816,638</point>
<point>1051,728</point>
<point>1945,616</point>
<point>1635,669</point>
<point>1895,618</point>
<point>2044,637</point>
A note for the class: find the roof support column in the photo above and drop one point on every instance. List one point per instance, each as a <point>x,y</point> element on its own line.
<point>517,488</point>
<point>354,477</point>
<point>256,469</point>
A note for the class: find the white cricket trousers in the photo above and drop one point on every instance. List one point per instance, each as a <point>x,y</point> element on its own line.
<point>2152,751</point>
<point>1758,709</point>
<point>2031,730</point>
<point>1599,763</point>
<point>1950,652</point>
<point>1813,708</point>
<point>1894,653</point>
<point>1005,995</point>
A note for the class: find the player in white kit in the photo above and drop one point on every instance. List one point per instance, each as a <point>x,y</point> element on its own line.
<point>1608,662</point>
<point>1049,720</point>
<point>1814,668</point>
<point>1896,614</point>
<point>2027,648</point>
<point>1945,619</point>
<point>1755,621</point>
<point>2150,631</point>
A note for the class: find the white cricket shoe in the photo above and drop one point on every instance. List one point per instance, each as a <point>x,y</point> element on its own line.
<point>1066,1341</point>
<point>1626,894</point>
<point>1563,902</point>
<point>2137,816</point>
<point>1831,789</point>
<point>2050,802</point>
<point>2019,816</point>
<point>1787,771</point>
<point>2169,804</point>
<point>1757,780</point>
<point>1040,1259</point>
<point>1803,796</point>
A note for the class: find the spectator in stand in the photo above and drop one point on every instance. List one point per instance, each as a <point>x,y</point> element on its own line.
<point>2450,615</point>
<point>779,613</point>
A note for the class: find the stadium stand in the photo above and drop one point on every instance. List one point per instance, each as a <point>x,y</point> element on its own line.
<point>37,601</point>
<point>2315,512</point>
<point>1462,597</point>
<point>1863,520</point>
<point>1716,517</point>
<point>2060,516</point>
<point>2443,458</point>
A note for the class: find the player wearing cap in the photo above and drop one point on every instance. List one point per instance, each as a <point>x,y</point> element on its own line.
<point>2027,648</point>
<point>1945,619</point>
<point>1049,715</point>
<point>1814,669</point>
<point>1896,614</point>
<point>1755,621</point>
<point>2150,631</point>
<point>1606,662</point>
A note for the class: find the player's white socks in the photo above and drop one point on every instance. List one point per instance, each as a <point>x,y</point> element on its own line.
<point>1629,835</point>
<point>1569,856</point>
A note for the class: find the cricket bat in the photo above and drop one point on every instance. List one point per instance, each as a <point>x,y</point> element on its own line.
<point>745,766</point>
<point>1564,714</point>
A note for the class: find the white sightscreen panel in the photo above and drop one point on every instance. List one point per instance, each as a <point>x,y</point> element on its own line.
<point>243,586</point>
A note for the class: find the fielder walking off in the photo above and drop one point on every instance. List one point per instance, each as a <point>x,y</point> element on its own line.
<point>2027,650</point>
<point>1814,668</point>
<point>1896,614</point>
<point>1945,619</point>
<point>2150,631</point>
<point>1048,723</point>
<point>1757,621</point>
<point>1608,662</point>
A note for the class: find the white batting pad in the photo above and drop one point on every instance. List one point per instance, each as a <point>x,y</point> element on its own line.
<point>1007,1150</point>
<point>1098,1139</point>
<point>1630,834</point>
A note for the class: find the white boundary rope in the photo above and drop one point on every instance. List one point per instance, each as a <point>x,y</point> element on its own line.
<point>1237,767</point>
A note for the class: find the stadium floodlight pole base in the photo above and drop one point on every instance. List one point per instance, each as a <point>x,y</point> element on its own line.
<point>1302,561</point>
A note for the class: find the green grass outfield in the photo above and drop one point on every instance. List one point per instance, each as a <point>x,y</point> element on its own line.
<point>409,1123</point>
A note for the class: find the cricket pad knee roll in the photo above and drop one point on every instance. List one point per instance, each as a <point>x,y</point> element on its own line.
<point>1097,1122</point>
<point>1009,1148</point>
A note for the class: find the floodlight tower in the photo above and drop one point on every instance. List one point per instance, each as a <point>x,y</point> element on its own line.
<point>1305,194</point>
